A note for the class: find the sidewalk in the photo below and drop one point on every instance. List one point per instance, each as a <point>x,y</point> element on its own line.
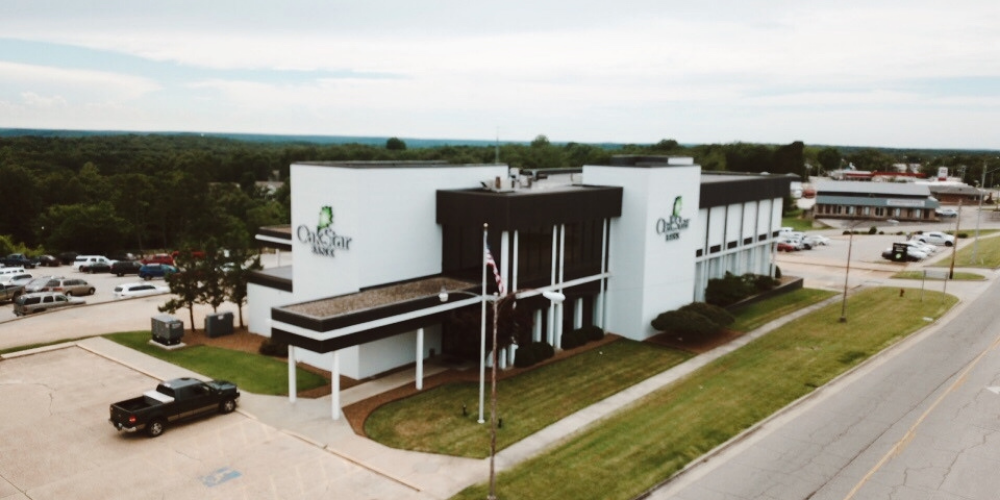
<point>433,476</point>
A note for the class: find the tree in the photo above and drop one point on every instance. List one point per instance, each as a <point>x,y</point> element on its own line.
<point>395,144</point>
<point>829,159</point>
<point>240,264</point>
<point>186,289</point>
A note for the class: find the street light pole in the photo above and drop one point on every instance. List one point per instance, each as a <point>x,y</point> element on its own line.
<point>847,272</point>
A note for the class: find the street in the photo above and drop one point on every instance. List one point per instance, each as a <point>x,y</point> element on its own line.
<point>919,421</point>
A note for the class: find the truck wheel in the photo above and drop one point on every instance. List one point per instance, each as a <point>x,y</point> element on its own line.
<point>227,406</point>
<point>155,427</point>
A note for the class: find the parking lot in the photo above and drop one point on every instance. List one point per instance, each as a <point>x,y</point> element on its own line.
<point>104,285</point>
<point>57,444</point>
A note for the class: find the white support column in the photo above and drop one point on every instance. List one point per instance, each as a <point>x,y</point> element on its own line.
<point>335,385</point>
<point>420,359</point>
<point>578,313</point>
<point>562,270</point>
<point>550,333</point>
<point>502,358</point>
<point>292,375</point>
<point>536,328</point>
<point>513,265</point>
<point>505,258</point>
<point>599,309</point>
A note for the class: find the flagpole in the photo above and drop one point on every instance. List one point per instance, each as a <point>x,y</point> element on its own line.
<point>482,335</point>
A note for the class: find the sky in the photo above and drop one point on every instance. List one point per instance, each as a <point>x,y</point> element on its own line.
<point>882,73</point>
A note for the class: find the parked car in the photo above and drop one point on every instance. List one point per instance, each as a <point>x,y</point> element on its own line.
<point>68,286</point>
<point>123,267</point>
<point>18,260</point>
<point>815,240</point>
<point>83,260</point>
<point>150,271</point>
<point>160,258</point>
<point>795,242</point>
<point>128,290</point>
<point>946,212</point>
<point>16,278</point>
<point>48,261</point>
<point>936,238</point>
<point>786,247</point>
<point>10,291</point>
<point>29,303</point>
<point>67,258</point>
<point>912,254</point>
<point>96,267</point>
<point>173,400</point>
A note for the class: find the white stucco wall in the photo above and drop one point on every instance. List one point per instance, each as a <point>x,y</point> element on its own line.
<point>652,270</point>
<point>260,300</point>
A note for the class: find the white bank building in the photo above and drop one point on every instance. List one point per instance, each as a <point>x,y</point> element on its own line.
<point>388,257</point>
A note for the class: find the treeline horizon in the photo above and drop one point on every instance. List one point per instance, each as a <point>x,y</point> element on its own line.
<point>106,192</point>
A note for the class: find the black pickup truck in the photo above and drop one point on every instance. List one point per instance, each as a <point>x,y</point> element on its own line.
<point>173,400</point>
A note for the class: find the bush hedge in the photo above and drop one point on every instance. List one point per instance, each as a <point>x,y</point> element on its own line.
<point>271,348</point>
<point>682,322</point>
<point>714,313</point>
<point>532,353</point>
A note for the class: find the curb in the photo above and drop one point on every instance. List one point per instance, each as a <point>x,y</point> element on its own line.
<point>909,341</point>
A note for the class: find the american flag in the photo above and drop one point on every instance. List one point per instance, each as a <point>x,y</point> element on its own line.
<point>496,270</point>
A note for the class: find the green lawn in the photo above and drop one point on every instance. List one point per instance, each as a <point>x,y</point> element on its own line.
<point>797,224</point>
<point>432,420</point>
<point>987,254</point>
<point>762,313</point>
<point>251,372</point>
<point>648,442</point>
<point>919,275</point>
<point>35,346</point>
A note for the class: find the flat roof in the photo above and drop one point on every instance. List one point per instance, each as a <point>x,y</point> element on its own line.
<point>377,297</point>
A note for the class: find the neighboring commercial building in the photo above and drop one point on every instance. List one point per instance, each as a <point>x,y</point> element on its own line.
<point>385,253</point>
<point>874,201</point>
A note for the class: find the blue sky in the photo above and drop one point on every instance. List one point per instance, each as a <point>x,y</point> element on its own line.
<point>850,72</point>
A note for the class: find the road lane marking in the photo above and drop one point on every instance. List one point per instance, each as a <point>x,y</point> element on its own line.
<point>911,433</point>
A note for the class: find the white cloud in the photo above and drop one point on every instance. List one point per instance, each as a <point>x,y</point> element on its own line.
<point>88,85</point>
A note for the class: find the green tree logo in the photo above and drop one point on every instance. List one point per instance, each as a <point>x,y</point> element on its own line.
<point>678,204</point>
<point>325,218</point>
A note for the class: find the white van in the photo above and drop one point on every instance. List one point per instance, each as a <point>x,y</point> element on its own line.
<point>90,259</point>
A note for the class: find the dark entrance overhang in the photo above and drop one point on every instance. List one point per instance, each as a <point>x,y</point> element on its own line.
<point>525,209</point>
<point>338,322</point>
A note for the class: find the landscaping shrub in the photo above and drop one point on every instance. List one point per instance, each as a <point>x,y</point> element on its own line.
<point>525,356</point>
<point>271,348</point>
<point>777,273</point>
<point>575,338</point>
<point>714,313</point>
<point>685,323</point>
<point>593,332</point>
<point>962,235</point>
<point>873,230</point>
<point>763,283</point>
<point>727,290</point>
<point>532,353</point>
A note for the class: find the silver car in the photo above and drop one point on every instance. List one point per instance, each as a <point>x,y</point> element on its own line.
<point>68,286</point>
<point>37,302</point>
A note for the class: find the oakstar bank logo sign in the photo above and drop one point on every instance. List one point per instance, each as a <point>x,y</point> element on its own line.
<point>671,228</point>
<point>324,240</point>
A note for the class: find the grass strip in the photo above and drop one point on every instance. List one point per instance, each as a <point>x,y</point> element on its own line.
<point>433,420</point>
<point>251,372</point>
<point>919,275</point>
<point>987,254</point>
<point>757,315</point>
<point>626,454</point>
